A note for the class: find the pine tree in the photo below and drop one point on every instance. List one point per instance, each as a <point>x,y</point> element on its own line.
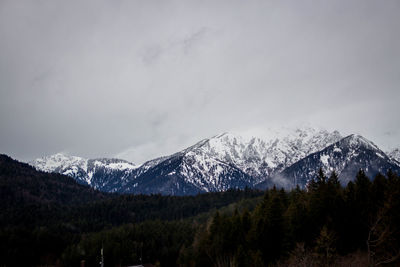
<point>333,180</point>
<point>321,178</point>
<point>325,246</point>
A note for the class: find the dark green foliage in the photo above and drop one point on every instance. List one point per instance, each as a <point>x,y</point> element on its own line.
<point>46,218</point>
<point>148,242</point>
<point>319,226</point>
<point>49,219</point>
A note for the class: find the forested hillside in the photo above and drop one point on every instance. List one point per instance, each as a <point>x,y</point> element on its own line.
<point>49,219</point>
<point>42,213</point>
<point>325,225</point>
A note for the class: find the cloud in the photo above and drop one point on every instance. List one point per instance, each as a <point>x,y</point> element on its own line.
<point>151,54</point>
<point>193,39</point>
<point>99,78</point>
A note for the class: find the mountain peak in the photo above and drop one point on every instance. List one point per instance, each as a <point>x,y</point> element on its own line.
<point>345,157</point>
<point>85,171</point>
<point>258,157</point>
<point>229,160</point>
<point>58,161</point>
<point>356,140</point>
<point>395,155</point>
<point>226,134</point>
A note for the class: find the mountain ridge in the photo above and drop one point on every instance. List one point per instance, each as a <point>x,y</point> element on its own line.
<point>212,164</point>
<point>217,163</point>
<point>345,157</point>
<point>394,154</point>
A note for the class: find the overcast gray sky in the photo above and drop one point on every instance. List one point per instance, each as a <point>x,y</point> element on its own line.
<point>141,79</point>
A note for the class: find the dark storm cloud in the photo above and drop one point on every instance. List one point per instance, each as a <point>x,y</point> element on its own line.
<point>140,79</point>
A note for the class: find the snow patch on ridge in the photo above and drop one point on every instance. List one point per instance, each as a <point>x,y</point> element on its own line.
<point>324,159</point>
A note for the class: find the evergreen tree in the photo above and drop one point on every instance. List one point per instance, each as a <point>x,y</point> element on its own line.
<point>321,178</point>
<point>333,180</point>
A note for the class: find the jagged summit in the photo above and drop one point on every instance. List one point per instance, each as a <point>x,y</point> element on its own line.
<point>356,140</point>
<point>395,155</point>
<point>345,157</point>
<point>60,160</point>
<point>56,162</point>
<point>257,157</point>
<point>227,160</point>
<point>95,172</point>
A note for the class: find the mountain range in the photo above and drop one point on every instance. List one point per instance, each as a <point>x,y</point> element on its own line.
<point>285,159</point>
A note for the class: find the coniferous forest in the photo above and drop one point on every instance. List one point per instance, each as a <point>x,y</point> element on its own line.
<point>49,220</point>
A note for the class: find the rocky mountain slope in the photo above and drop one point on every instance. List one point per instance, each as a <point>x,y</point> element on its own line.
<point>214,164</point>
<point>345,157</point>
<point>103,174</point>
<point>228,161</point>
<point>395,155</point>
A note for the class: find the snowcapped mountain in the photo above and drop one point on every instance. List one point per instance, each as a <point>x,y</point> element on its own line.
<point>228,161</point>
<point>73,166</point>
<point>346,157</point>
<point>395,155</point>
<point>284,158</point>
<point>190,171</point>
<point>102,174</point>
<point>262,157</point>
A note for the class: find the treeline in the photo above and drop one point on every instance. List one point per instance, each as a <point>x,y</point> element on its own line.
<point>325,225</point>
<point>138,208</point>
<point>44,215</point>
<point>118,209</point>
<point>44,234</point>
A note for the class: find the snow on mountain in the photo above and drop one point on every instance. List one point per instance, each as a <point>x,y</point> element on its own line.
<point>346,157</point>
<point>230,161</point>
<point>261,157</point>
<point>73,166</point>
<point>98,173</point>
<point>213,164</point>
<point>395,155</point>
<point>284,158</point>
<point>297,144</point>
<point>109,174</point>
<point>180,175</point>
<point>58,161</point>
